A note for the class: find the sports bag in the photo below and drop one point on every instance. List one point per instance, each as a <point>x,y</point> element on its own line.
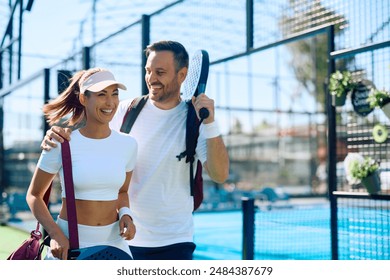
<point>29,249</point>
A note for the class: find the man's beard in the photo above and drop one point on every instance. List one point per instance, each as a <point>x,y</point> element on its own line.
<point>172,93</point>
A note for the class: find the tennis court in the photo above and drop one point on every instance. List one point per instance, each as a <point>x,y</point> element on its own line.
<point>299,232</point>
<point>288,232</point>
<point>280,234</point>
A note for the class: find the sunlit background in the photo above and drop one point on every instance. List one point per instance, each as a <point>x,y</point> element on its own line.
<point>268,76</point>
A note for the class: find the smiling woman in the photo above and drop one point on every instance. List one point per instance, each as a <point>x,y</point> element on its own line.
<point>102,164</point>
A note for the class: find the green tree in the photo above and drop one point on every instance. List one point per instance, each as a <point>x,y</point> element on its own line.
<point>309,56</point>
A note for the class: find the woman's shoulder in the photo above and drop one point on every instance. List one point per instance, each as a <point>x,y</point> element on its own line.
<point>124,137</point>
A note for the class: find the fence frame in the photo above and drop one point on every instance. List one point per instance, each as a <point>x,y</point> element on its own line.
<point>334,195</point>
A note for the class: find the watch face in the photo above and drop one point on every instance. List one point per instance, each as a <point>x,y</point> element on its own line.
<point>359,98</point>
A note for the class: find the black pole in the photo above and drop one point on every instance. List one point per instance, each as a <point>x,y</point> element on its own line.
<point>29,5</point>
<point>20,39</point>
<point>10,52</point>
<point>86,58</point>
<point>248,228</point>
<point>249,25</point>
<point>145,42</point>
<point>46,96</point>
<point>332,152</point>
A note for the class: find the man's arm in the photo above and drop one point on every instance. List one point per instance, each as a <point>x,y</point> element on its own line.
<point>217,162</point>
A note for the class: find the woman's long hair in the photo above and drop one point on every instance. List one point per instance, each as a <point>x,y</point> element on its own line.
<point>68,103</point>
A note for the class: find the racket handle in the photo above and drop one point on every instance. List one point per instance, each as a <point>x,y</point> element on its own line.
<point>204,113</point>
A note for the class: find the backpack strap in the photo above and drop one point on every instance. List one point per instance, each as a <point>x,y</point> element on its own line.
<point>132,113</point>
<point>192,134</point>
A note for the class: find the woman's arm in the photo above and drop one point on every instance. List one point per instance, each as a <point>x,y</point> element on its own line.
<point>126,225</point>
<point>39,185</point>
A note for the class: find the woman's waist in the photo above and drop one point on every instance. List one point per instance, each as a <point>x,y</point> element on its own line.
<point>92,213</point>
<point>92,234</point>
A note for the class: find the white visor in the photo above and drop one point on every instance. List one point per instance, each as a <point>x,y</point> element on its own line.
<point>99,81</point>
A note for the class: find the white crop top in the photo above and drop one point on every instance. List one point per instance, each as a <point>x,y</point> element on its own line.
<point>99,166</point>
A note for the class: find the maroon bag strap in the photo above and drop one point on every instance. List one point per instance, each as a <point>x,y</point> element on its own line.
<point>69,192</point>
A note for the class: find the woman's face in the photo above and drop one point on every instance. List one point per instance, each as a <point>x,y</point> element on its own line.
<point>101,106</point>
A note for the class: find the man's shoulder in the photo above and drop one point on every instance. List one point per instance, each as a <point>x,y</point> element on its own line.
<point>126,102</point>
<point>124,105</point>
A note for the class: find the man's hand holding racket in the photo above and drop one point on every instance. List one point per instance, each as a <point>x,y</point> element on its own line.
<point>201,102</point>
<point>195,86</point>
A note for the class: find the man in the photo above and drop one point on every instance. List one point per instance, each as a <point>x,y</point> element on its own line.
<point>160,201</point>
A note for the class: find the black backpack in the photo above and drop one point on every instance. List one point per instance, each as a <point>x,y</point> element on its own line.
<point>192,134</point>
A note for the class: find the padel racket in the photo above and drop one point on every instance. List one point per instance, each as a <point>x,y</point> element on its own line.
<point>100,252</point>
<point>196,80</point>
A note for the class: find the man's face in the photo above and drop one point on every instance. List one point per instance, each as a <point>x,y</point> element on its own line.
<point>161,77</point>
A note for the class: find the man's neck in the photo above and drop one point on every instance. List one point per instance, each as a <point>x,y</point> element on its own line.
<point>166,104</point>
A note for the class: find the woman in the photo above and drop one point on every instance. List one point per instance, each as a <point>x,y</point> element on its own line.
<point>102,164</point>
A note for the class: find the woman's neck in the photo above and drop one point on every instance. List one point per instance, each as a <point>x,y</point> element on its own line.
<point>95,131</point>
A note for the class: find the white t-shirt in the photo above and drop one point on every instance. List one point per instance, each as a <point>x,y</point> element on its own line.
<point>160,187</point>
<point>99,166</point>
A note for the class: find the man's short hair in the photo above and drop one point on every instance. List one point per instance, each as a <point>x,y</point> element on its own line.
<point>180,54</point>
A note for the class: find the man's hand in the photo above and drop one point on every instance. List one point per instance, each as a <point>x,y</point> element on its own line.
<point>203,101</point>
<point>57,133</point>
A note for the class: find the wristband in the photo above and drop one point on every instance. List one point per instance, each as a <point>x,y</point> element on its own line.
<point>124,211</point>
<point>211,130</point>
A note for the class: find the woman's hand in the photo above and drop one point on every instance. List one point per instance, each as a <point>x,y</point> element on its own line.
<point>59,247</point>
<point>126,227</point>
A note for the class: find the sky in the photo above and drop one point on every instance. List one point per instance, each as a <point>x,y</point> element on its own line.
<point>57,29</point>
<point>49,30</point>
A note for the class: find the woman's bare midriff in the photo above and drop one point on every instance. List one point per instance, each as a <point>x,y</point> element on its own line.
<point>92,213</point>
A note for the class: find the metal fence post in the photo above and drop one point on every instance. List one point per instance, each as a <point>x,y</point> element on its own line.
<point>145,42</point>
<point>46,96</point>
<point>86,57</point>
<point>248,228</point>
<point>332,149</point>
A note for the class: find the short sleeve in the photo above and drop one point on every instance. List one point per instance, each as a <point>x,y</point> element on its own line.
<point>51,161</point>
<point>132,154</point>
<point>201,148</point>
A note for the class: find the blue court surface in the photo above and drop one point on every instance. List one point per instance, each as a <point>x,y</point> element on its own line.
<point>280,234</point>
<point>218,235</point>
<point>294,233</point>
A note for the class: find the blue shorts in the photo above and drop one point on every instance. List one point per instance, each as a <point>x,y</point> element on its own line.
<point>179,251</point>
